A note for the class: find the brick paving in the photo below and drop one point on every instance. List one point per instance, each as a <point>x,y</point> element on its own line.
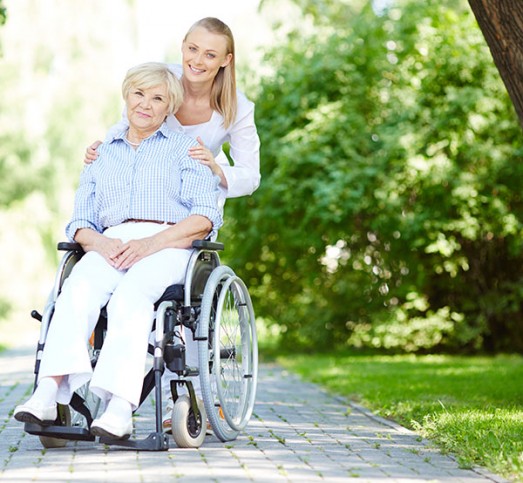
<point>298,434</point>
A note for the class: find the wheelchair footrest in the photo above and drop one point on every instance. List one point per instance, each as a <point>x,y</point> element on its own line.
<point>153,442</point>
<point>72,433</point>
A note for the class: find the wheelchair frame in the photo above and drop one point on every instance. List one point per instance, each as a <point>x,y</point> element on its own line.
<point>215,305</point>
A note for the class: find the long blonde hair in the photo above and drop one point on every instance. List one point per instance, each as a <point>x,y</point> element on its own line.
<point>223,90</point>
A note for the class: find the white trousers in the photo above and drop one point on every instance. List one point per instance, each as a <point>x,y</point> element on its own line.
<point>130,296</point>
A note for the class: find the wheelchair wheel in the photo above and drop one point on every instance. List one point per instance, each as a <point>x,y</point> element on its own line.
<point>64,419</point>
<point>187,429</point>
<point>228,359</point>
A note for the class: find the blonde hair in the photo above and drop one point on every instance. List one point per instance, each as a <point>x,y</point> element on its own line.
<point>223,90</point>
<point>151,74</point>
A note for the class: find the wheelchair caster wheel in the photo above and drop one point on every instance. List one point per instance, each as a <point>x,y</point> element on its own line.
<point>187,429</point>
<point>64,419</point>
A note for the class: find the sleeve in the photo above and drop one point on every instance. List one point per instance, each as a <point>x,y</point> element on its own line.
<point>243,178</point>
<point>84,214</point>
<point>200,193</point>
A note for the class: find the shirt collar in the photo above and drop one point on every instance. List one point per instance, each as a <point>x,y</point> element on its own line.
<point>163,130</point>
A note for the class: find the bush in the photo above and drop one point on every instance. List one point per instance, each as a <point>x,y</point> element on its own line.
<point>390,210</point>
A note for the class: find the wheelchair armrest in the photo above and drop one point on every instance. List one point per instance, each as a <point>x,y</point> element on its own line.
<point>70,246</point>
<point>207,245</point>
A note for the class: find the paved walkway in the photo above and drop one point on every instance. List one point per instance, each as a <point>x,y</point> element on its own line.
<point>298,434</point>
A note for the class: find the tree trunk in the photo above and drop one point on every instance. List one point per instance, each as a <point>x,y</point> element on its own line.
<point>501,22</point>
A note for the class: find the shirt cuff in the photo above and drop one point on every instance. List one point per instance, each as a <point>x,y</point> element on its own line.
<point>212,214</point>
<point>74,226</point>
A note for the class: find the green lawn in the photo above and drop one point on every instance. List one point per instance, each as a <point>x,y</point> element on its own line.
<point>471,406</point>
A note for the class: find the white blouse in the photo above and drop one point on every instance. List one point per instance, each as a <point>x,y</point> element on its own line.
<point>243,178</point>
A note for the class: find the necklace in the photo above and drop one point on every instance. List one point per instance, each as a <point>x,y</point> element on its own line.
<point>131,143</point>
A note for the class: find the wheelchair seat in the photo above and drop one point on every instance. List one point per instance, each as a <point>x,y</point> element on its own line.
<point>172,292</point>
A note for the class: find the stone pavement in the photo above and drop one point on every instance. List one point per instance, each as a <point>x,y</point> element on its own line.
<point>297,434</point>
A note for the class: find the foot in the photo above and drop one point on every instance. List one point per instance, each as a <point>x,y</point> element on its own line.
<point>33,411</point>
<point>112,427</point>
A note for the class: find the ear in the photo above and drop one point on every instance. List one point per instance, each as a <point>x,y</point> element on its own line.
<point>227,60</point>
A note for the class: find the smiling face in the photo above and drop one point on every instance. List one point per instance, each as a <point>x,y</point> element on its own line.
<point>204,53</point>
<point>147,108</point>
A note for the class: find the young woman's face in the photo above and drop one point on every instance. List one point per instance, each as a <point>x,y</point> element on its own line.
<point>203,54</point>
<point>147,108</point>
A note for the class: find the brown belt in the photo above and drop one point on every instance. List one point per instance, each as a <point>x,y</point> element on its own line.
<point>136,220</point>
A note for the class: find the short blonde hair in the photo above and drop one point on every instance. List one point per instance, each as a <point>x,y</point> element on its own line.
<point>151,74</point>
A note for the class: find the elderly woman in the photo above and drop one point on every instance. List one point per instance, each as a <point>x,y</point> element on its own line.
<point>137,211</point>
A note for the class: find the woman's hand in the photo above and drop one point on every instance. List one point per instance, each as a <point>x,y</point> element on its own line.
<point>109,248</point>
<point>116,253</point>
<point>90,153</point>
<point>205,156</point>
<point>132,252</point>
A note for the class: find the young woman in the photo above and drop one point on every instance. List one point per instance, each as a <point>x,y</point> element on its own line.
<point>213,112</point>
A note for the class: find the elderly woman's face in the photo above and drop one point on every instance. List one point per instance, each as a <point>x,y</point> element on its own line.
<point>147,108</point>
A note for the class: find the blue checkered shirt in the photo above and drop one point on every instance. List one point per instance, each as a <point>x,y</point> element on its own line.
<point>157,181</point>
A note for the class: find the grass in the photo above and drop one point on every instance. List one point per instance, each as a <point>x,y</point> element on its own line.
<point>470,406</point>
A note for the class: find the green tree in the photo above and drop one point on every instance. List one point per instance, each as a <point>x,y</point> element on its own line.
<point>56,76</point>
<point>14,156</point>
<point>389,213</point>
<point>4,306</point>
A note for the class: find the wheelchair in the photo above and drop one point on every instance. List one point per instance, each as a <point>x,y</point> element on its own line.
<point>214,307</point>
